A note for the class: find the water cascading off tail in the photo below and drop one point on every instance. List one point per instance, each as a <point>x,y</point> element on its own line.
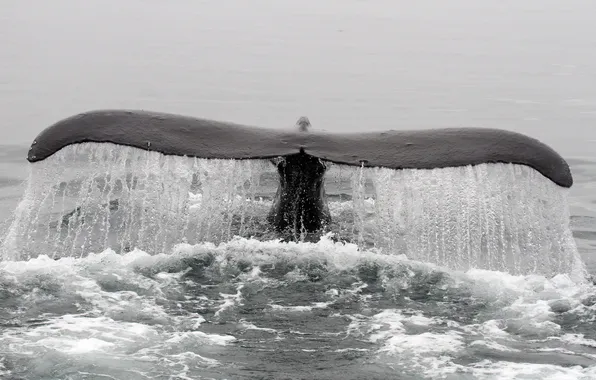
<point>92,196</point>
<point>89,197</point>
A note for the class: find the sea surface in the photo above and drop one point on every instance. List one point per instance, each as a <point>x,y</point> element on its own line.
<point>265,309</point>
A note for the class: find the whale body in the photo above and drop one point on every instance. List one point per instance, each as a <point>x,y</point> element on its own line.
<point>300,200</point>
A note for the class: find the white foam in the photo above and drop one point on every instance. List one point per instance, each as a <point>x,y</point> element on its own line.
<point>83,346</point>
<point>193,357</point>
<point>576,339</point>
<point>3,370</point>
<point>516,371</point>
<point>109,286</point>
<point>390,329</point>
<point>74,335</point>
<point>230,300</point>
<point>492,345</point>
<point>425,343</point>
<point>250,326</point>
<point>199,337</point>
<point>491,328</point>
<point>315,305</point>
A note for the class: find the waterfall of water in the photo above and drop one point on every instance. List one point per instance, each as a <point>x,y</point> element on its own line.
<point>88,197</point>
<point>493,216</point>
<point>91,196</point>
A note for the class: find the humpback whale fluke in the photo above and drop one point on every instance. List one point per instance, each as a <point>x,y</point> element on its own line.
<point>300,202</point>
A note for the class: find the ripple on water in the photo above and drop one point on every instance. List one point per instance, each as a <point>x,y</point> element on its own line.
<point>252,309</point>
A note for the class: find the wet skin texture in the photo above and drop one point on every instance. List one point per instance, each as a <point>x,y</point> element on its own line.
<point>300,202</point>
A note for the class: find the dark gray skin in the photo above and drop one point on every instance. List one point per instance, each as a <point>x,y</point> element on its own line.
<point>300,204</point>
<point>193,137</point>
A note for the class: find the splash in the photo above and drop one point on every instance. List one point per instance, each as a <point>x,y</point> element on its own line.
<point>224,310</point>
<point>89,197</point>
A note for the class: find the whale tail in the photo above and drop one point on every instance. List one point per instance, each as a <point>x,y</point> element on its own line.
<point>461,198</point>
<point>186,136</point>
<point>299,155</point>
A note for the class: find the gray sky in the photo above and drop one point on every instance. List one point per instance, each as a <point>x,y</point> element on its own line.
<point>349,65</point>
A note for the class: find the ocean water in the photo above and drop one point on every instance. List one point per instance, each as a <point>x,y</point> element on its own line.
<point>157,304</point>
